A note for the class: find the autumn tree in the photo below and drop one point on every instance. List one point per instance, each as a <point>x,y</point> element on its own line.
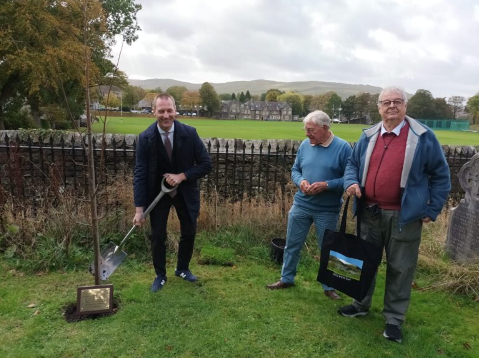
<point>191,99</point>
<point>307,98</point>
<point>209,98</point>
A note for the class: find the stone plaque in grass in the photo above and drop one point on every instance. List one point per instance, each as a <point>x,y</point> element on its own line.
<point>212,255</point>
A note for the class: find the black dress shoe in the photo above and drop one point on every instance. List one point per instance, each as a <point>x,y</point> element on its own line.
<point>279,285</point>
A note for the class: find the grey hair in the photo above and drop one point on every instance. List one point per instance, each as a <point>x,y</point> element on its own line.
<point>395,89</point>
<point>319,118</point>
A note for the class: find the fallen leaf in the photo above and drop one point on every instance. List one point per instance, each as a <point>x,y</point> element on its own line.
<point>467,345</point>
<point>37,312</point>
<point>415,286</point>
<point>32,305</point>
<point>40,273</point>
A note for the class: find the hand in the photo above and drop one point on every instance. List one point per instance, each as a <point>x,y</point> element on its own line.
<point>426,219</point>
<point>317,187</point>
<point>138,220</point>
<point>304,185</point>
<point>354,189</point>
<point>174,179</point>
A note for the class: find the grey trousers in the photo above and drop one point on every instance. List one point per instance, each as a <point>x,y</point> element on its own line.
<point>401,248</point>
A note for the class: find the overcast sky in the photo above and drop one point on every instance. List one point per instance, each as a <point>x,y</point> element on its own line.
<point>416,44</point>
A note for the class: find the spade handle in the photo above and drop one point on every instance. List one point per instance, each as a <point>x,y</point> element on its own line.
<point>164,190</point>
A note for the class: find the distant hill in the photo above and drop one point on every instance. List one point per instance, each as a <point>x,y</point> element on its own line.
<point>259,86</point>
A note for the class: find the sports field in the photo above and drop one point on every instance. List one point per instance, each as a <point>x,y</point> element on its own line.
<point>250,129</point>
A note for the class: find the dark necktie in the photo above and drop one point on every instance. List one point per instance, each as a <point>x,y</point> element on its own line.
<point>168,146</point>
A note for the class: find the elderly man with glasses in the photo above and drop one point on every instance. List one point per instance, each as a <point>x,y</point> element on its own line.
<point>401,179</point>
<point>318,173</point>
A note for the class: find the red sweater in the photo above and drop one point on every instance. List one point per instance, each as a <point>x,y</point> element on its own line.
<point>385,170</point>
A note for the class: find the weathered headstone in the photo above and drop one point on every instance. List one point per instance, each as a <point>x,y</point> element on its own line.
<point>463,234</point>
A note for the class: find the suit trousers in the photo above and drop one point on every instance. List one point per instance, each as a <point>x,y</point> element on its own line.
<point>401,248</point>
<point>188,222</point>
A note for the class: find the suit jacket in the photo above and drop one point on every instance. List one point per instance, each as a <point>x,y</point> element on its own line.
<point>189,156</point>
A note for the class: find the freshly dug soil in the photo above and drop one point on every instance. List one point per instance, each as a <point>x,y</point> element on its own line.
<point>71,309</point>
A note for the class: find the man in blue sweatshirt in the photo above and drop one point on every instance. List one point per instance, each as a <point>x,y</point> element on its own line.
<point>318,173</point>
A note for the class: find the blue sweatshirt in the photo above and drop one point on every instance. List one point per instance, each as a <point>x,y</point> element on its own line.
<point>317,163</point>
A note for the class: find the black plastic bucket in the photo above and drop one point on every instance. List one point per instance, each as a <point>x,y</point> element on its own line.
<point>277,250</point>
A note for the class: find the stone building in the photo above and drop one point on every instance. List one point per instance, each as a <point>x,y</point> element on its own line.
<point>258,110</point>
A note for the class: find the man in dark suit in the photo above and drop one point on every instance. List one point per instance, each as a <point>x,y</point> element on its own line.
<point>174,151</point>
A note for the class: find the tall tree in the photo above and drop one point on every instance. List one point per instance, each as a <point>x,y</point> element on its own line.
<point>473,108</point>
<point>442,109</point>
<point>248,96</point>
<point>209,98</point>
<point>307,103</point>
<point>457,103</point>
<point>373,109</point>
<point>295,100</point>
<point>233,96</point>
<point>176,92</point>
<point>362,104</point>
<point>421,105</point>
<point>262,97</point>
<point>242,97</point>
<point>348,107</point>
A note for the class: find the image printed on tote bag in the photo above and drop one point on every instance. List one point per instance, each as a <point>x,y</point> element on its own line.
<point>345,266</point>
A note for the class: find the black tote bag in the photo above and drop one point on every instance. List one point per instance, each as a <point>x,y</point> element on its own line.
<point>347,262</point>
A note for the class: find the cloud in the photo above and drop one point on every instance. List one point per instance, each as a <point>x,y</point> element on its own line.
<point>430,44</point>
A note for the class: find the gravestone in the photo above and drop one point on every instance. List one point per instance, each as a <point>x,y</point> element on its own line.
<point>462,243</point>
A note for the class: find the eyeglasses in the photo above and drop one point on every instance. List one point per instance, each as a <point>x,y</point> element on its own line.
<point>397,102</point>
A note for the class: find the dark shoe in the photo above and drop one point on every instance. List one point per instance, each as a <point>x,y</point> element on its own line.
<point>158,283</point>
<point>332,294</point>
<point>351,311</point>
<point>279,285</point>
<point>393,332</point>
<point>186,275</point>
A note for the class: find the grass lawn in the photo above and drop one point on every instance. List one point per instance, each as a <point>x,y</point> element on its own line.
<point>228,313</point>
<point>249,129</point>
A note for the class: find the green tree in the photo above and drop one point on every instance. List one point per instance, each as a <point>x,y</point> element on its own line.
<point>262,97</point>
<point>225,97</point>
<point>176,92</point>
<point>362,104</point>
<point>295,100</point>
<point>348,107</point>
<point>333,102</point>
<point>248,96</point>
<point>132,95</point>
<point>242,97</point>
<point>156,90</point>
<point>442,109</point>
<point>473,108</point>
<point>209,98</point>
<point>373,109</point>
<point>307,98</point>
<point>233,96</point>
<point>421,105</point>
<point>272,95</point>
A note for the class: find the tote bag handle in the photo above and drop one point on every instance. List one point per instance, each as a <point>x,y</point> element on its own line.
<point>345,214</point>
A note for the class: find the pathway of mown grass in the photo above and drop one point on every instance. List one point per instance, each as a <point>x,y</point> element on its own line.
<point>229,313</point>
<point>251,129</point>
